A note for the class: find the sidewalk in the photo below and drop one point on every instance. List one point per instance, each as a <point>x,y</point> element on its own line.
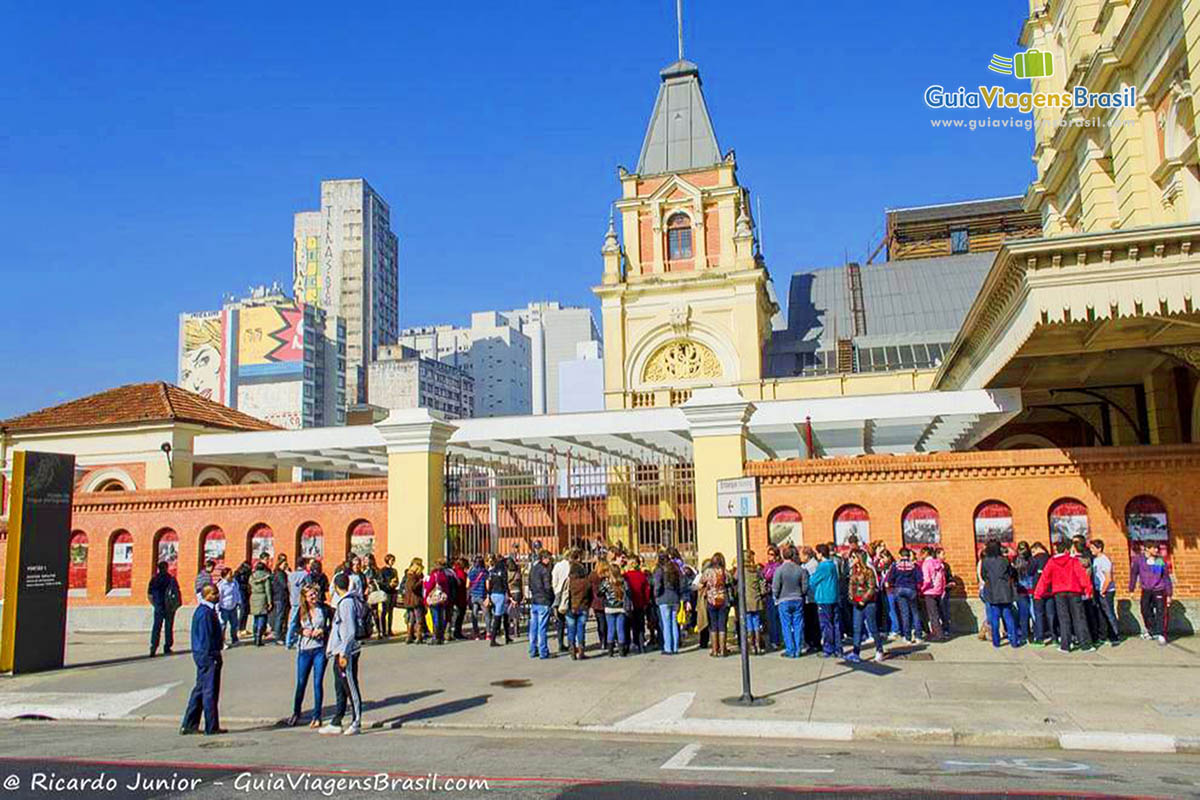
<point>1135,697</point>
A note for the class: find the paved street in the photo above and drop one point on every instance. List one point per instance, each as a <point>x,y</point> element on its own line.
<point>529,765</point>
<point>563,728</point>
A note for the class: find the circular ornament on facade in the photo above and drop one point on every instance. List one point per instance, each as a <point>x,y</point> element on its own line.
<point>682,359</point>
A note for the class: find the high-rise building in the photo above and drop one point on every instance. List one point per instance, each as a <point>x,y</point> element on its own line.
<point>554,332</point>
<point>521,369</point>
<point>345,263</point>
<point>493,350</point>
<point>581,380</point>
<point>267,356</point>
<point>403,378</point>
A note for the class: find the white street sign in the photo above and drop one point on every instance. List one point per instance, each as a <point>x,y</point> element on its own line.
<point>737,497</point>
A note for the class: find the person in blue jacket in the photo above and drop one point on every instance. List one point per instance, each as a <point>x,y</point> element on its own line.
<point>207,641</point>
<point>824,587</point>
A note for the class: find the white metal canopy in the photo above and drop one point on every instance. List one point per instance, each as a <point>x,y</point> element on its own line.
<point>894,423</point>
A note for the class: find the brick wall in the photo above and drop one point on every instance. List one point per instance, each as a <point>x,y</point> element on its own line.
<point>1029,481</point>
<point>286,507</point>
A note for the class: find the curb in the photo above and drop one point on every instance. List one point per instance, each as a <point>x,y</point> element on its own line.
<point>1103,741</point>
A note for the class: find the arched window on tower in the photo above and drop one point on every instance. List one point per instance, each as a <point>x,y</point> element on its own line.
<point>679,237</point>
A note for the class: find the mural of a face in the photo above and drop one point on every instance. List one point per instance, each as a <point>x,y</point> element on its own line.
<point>202,371</point>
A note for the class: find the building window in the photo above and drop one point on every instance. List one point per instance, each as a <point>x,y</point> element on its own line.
<point>679,237</point>
<point>960,241</point>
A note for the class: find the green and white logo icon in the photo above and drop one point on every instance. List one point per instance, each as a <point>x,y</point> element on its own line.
<point>1030,64</point>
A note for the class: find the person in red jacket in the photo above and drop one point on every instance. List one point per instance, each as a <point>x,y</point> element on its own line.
<point>1065,579</point>
<point>639,593</point>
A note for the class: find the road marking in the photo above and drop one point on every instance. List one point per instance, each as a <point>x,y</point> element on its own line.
<point>78,705</point>
<point>683,761</point>
<point>667,716</point>
<point>1027,764</point>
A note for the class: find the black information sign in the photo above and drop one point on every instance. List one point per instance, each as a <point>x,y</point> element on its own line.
<point>35,607</point>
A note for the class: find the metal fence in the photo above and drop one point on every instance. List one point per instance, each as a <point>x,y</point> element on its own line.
<point>501,503</point>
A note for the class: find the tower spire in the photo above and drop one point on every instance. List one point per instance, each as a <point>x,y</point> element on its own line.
<point>679,25</point>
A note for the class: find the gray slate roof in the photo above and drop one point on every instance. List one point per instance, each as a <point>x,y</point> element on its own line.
<point>680,134</point>
<point>967,208</point>
<point>907,302</point>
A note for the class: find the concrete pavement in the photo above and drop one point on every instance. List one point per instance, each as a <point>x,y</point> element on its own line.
<point>1137,697</point>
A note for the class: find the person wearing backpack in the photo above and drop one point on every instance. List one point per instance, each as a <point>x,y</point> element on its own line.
<point>933,587</point>
<point>904,581</point>
<point>497,599</point>
<point>344,647</point>
<point>165,598</point>
<point>437,599</point>
<point>714,588</point>
<point>260,600</point>
<point>863,591</point>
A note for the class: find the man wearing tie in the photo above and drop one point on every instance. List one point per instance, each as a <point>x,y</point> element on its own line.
<point>207,641</point>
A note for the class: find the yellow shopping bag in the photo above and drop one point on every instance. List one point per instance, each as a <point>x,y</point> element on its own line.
<point>429,620</point>
<point>681,616</point>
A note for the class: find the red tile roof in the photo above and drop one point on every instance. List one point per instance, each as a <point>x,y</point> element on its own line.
<point>136,403</point>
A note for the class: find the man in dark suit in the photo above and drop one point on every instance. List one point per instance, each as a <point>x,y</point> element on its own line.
<point>207,641</point>
<point>164,595</point>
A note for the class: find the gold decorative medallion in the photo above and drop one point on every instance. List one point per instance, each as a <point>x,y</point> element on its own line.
<point>681,360</point>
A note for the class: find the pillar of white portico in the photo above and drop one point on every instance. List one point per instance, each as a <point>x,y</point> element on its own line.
<point>416,447</point>
<point>717,419</point>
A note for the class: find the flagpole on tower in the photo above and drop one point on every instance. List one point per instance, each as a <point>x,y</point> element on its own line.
<point>679,25</point>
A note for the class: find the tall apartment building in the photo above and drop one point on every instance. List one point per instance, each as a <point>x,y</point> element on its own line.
<point>493,350</point>
<point>402,378</point>
<point>345,263</point>
<point>522,369</point>
<point>267,356</point>
<point>554,333</point>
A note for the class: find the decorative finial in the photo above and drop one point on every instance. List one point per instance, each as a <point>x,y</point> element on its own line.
<point>679,25</point>
<point>742,227</point>
<point>611,245</point>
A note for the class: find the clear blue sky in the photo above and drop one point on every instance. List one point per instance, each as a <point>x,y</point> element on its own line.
<point>152,154</point>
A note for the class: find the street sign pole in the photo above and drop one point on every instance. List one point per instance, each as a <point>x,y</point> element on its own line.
<point>738,499</point>
<point>743,638</point>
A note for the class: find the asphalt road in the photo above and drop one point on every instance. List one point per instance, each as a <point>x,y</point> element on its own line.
<point>41,759</point>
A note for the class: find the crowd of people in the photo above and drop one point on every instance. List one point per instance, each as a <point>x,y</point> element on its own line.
<point>800,600</point>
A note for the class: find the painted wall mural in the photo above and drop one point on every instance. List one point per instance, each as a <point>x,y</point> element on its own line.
<point>202,355</point>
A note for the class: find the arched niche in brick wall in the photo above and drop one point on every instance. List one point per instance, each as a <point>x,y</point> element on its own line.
<point>360,538</point>
<point>260,540</point>
<point>166,548</point>
<point>994,522</point>
<point>851,520</point>
<point>120,563</point>
<point>310,541</point>
<point>1146,524</point>
<point>1068,518</point>
<point>212,546</point>
<point>785,526</point>
<point>920,525</point>
<point>77,564</point>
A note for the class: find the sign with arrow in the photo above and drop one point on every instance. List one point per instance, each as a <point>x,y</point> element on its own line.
<point>738,497</point>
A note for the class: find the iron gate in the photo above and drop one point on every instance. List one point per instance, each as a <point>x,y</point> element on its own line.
<point>561,502</point>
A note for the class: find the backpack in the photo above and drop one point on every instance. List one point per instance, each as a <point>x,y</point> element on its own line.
<point>171,598</point>
<point>717,596</point>
<point>363,622</point>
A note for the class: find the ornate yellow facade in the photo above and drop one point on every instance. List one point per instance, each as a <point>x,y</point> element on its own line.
<point>685,299</point>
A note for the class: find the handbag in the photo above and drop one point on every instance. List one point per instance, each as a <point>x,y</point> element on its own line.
<point>377,597</point>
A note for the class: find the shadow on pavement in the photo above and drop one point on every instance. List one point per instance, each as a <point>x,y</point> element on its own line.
<point>440,710</point>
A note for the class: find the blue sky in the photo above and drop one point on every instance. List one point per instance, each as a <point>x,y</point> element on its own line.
<point>152,155</point>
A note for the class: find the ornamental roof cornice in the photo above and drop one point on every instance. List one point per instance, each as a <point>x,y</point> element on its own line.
<point>1078,277</point>
<point>975,465</point>
<point>245,495</point>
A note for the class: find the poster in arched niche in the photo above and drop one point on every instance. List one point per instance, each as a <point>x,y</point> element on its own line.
<point>1068,519</point>
<point>784,526</point>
